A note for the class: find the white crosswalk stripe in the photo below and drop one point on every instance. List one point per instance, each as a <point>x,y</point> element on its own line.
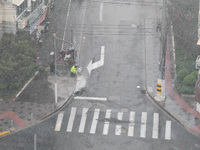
<point>94,121</point>
<point>135,123</point>
<point>83,120</point>
<point>59,121</point>
<point>71,119</point>
<point>168,130</point>
<point>143,124</point>
<point>119,127</point>
<point>131,124</point>
<point>155,125</point>
<point>106,124</point>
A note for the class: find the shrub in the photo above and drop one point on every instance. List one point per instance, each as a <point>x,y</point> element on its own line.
<point>182,74</point>
<point>189,80</point>
<point>181,88</point>
<point>195,74</point>
<point>16,62</point>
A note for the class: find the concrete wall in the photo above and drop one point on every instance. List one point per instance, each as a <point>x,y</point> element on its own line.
<point>7,18</point>
<point>7,12</point>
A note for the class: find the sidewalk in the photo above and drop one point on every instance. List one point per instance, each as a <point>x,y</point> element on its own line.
<point>27,110</point>
<point>182,108</point>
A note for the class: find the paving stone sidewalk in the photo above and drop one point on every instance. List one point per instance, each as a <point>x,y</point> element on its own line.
<point>36,101</point>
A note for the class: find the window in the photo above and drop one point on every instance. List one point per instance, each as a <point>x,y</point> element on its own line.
<point>35,4</point>
<point>45,2</point>
<point>22,7</point>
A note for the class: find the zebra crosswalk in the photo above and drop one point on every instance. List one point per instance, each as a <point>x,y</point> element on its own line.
<point>132,124</point>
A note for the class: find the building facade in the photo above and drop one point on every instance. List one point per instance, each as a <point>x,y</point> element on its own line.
<point>21,15</point>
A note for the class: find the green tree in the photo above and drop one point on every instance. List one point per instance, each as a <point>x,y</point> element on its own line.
<point>17,62</point>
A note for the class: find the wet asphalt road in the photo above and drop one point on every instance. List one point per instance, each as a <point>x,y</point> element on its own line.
<point>43,136</point>
<point>94,26</point>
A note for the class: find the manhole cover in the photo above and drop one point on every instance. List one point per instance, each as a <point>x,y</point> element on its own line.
<point>123,130</point>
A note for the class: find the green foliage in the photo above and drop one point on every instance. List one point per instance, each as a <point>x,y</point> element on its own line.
<point>195,74</point>
<point>181,88</point>
<point>41,70</point>
<point>182,74</point>
<point>17,62</point>
<point>185,81</point>
<point>184,17</point>
<point>189,80</point>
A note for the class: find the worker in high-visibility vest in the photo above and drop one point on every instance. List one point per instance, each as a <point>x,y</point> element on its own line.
<point>73,69</point>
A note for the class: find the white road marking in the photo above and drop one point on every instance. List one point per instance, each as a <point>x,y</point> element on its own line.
<point>59,121</point>
<point>71,119</point>
<point>83,120</point>
<point>35,141</point>
<point>65,29</point>
<point>143,124</point>
<point>118,128</point>
<point>131,124</point>
<point>91,66</point>
<point>94,121</point>
<point>90,98</point>
<point>168,130</point>
<point>155,125</point>
<point>106,123</point>
<point>56,91</point>
<point>101,12</point>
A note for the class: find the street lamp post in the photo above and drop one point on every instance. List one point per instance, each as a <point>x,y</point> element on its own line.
<point>55,77</point>
<point>163,36</point>
<point>160,91</point>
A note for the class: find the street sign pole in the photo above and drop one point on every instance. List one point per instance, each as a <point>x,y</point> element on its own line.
<point>55,78</point>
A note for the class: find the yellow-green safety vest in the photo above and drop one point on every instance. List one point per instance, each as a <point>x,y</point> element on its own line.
<point>73,69</point>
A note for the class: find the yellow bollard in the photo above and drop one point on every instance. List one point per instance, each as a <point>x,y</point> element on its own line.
<point>159,88</point>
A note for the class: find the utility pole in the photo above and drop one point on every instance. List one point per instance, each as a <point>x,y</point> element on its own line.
<point>55,77</point>
<point>55,66</point>
<point>72,49</point>
<point>71,35</point>
<point>163,36</point>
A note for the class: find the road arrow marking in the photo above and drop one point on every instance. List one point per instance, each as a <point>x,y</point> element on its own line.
<point>91,66</point>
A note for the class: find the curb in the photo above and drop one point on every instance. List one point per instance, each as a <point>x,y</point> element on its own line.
<point>4,133</point>
<point>165,111</point>
<point>193,130</point>
<point>24,87</point>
